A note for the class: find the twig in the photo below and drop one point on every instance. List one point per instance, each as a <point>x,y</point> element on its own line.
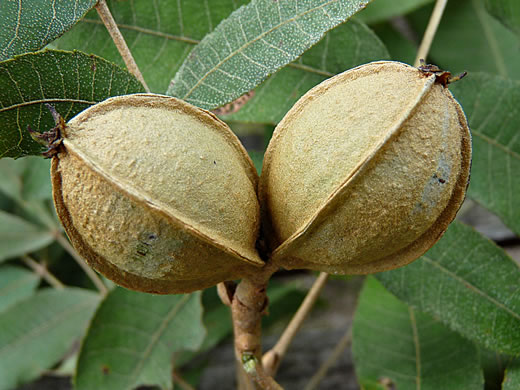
<point>90,273</point>
<point>431,29</point>
<point>255,370</point>
<point>272,359</point>
<point>322,371</point>
<point>181,382</point>
<point>42,270</point>
<point>109,22</point>
<point>249,304</point>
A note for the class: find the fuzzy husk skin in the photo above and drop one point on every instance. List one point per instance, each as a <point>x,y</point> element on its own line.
<point>365,172</point>
<point>157,195</point>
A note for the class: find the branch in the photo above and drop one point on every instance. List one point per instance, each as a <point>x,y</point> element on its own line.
<point>431,29</point>
<point>273,358</point>
<point>117,37</point>
<point>248,305</point>
<point>322,371</point>
<point>42,270</point>
<point>255,370</point>
<point>90,273</point>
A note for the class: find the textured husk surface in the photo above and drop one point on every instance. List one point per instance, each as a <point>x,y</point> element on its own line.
<point>156,194</point>
<point>366,171</point>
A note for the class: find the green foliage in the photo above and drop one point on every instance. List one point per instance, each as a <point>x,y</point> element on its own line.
<point>16,284</point>
<point>469,284</point>
<point>133,337</point>
<point>30,25</point>
<point>36,333</point>
<point>492,105</point>
<point>252,43</point>
<point>159,44</point>
<point>274,50</point>
<point>70,81</point>
<point>512,376</point>
<point>395,344</point>
<point>381,10</point>
<point>507,11</point>
<point>18,236</point>
<point>469,39</point>
<point>343,48</point>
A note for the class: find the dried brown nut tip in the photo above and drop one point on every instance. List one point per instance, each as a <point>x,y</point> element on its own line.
<point>157,195</point>
<point>366,171</point>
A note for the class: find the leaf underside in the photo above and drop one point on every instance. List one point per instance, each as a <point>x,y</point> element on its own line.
<point>30,25</point>
<point>394,344</point>
<point>69,81</point>
<point>469,284</point>
<point>252,43</point>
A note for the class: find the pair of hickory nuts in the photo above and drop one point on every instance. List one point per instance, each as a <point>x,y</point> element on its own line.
<point>362,175</point>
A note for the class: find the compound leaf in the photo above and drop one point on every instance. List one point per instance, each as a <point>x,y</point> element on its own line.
<point>69,81</point>
<point>252,43</point>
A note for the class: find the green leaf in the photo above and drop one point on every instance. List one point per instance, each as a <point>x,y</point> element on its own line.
<point>37,179</point>
<point>400,48</point>
<point>132,339</point>
<point>18,237</point>
<point>30,25</point>
<point>512,376</point>
<point>159,33</point>
<point>469,284</point>
<point>492,105</point>
<point>392,342</point>
<point>70,81</point>
<point>252,43</point>
<point>37,332</point>
<point>11,172</point>
<point>16,284</point>
<point>381,10</point>
<point>469,39</point>
<point>493,364</point>
<point>507,11</point>
<point>344,47</point>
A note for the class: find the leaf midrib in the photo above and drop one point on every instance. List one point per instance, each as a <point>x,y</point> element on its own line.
<point>156,337</point>
<point>246,45</point>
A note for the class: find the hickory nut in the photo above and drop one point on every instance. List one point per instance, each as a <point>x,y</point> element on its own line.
<point>156,194</point>
<point>366,171</point>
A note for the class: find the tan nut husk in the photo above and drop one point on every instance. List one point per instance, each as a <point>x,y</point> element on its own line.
<point>366,171</point>
<point>157,195</point>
